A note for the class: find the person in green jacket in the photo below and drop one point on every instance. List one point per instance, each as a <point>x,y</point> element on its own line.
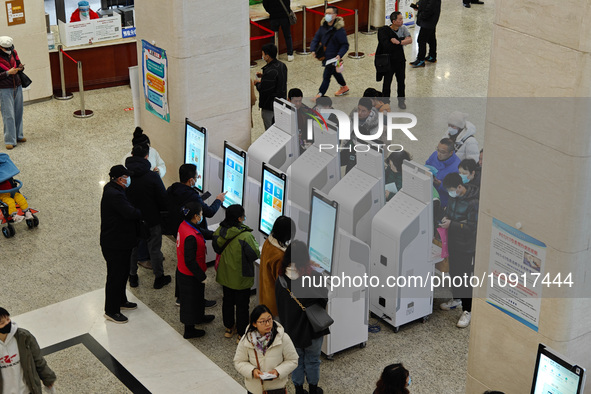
<point>238,250</point>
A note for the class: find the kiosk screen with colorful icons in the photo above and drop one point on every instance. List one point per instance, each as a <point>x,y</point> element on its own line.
<point>196,150</point>
<point>234,175</point>
<point>272,197</point>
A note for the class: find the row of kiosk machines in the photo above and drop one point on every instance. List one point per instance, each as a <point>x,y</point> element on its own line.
<point>350,230</point>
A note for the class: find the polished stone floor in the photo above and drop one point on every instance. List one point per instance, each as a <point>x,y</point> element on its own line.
<point>64,166</point>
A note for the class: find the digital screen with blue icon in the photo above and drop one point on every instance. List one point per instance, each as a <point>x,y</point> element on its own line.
<point>555,375</point>
<point>272,198</point>
<point>322,230</point>
<point>234,175</point>
<point>196,150</point>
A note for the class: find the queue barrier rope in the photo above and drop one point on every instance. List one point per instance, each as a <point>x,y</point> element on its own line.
<point>348,13</point>
<point>271,32</point>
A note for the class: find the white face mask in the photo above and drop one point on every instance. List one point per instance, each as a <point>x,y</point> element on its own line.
<point>328,17</point>
<point>452,130</point>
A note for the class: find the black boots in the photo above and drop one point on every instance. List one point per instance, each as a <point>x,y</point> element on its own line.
<point>300,390</point>
<point>314,389</point>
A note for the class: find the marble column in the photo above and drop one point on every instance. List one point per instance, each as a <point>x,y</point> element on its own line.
<point>30,41</point>
<point>537,176</point>
<point>207,45</point>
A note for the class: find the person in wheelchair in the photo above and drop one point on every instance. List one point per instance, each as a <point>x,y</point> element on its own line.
<point>11,199</point>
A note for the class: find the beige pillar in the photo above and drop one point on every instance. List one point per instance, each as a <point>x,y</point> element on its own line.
<point>207,45</point>
<point>537,172</point>
<point>30,41</point>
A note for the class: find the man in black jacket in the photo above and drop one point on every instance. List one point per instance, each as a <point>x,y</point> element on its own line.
<point>271,83</point>
<point>147,192</point>
<point>180,193</point>
<point>278,17</point>
<point>427,17</point>
<point>118,237</point>
<point>460,220</point>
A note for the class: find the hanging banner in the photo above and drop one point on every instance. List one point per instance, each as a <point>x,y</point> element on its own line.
<point>408,14</point>
<point>155,73</point>
<point>516,267</point>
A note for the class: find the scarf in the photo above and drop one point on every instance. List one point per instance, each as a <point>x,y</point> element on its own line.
<point>260,342</point>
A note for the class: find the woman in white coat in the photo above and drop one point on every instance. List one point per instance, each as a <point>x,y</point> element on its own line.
<point>265,349</point>
<point>461,132</point>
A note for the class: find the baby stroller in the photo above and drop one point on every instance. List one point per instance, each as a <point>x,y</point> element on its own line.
<point>7,171</point>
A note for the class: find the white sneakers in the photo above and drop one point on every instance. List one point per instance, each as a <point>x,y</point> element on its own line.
<point>451,304</point>
<point>290,58</point>
<point>464,320</point>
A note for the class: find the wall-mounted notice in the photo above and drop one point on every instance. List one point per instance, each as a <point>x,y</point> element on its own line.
<point>91,31</point>
<point>15,12</point>
<point>516,268</point>
<point>408,14</point>
<point>155,72</point>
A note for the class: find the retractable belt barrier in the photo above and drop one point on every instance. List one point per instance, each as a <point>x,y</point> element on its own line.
<point>82,112</point>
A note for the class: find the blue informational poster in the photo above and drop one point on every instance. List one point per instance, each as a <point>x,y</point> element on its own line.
<point>272,198</point>
<point>155,74</point>
<point>234,175</point>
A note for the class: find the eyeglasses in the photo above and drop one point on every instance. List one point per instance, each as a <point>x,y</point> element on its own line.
<point>265,322</point>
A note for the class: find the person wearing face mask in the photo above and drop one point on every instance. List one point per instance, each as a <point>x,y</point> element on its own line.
<point>333,37</point>
<point>470,172</point>
<point>368,119</point>
<point>190,273</point>
<point>271,83</point>
<point>282,234</point>
<point>444,161</point>
<point>461,220</point>
<point>461,132</point>
<point>11,93</point>
<point>238,250</point>
<point>119,223</point>
<point>395,379</point>
<point>147,192</point>
<point>21,362</point>
<point>83,12</point>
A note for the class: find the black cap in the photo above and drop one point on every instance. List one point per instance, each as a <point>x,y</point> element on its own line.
<point>119,170</point>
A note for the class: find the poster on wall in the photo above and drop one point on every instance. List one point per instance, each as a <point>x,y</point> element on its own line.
<point>15,12</point>
<point>155,70</point>
<point>408,14</point>
<point>516,267</point>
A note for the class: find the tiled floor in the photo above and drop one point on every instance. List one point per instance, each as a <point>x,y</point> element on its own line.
<point>65,164</point>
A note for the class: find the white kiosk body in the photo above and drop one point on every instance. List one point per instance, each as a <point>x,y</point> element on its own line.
<point>402,234</point>
<point>361,194</point>
<point>215,173</point>
<point>348,305</point>
<point>277,146</point>
<point>315,168</point>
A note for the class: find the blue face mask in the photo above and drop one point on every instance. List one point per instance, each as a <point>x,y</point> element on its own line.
<point>465,178</point>
<point>452,194</point>
<point>200,219</point>
<point>409,381</point>
<point>128,181</point>
<point>328,18</point>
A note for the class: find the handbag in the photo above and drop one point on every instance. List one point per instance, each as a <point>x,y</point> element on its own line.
<point>382,63</point>
<point>274,391</point>
<point>321,49</point>
<point>25,80</point>
<point>293,19</point>
<point>319,319</point>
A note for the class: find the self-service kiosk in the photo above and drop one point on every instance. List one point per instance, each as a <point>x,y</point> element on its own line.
<point>361,194</point>
<point>315,168</point>
<point>278,146</point>
<point>340,254</point>
<point>402,233</point>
